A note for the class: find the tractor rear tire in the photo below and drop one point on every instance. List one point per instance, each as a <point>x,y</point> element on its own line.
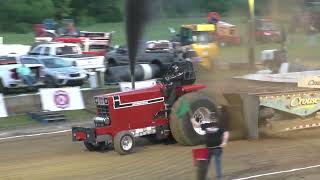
<point>95,147</point>
<point>124,142</point>
<point>181,127</point>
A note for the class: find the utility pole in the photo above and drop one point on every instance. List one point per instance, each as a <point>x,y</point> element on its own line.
<point>275,9</point>
<point>251,51</point>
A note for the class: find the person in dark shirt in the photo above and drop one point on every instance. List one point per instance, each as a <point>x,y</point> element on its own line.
<point>216,138</point>
<point>173,79</point>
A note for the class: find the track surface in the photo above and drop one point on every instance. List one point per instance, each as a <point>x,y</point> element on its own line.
<point>56,157</point>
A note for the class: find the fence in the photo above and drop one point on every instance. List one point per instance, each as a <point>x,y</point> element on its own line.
<point>22,104</point>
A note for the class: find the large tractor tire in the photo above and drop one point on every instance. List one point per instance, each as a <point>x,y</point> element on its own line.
<point>181,127</point>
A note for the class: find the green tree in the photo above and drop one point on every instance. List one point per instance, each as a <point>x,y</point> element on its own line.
<point>62,9</point>
<point>18,15</point>
<point>96,10</point>
<point>105,10</point>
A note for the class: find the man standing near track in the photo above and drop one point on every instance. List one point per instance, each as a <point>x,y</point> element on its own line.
<point>216,138</point>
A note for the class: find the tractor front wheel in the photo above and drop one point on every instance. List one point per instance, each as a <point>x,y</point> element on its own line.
<point>183,131</point>
<point>124,142</point>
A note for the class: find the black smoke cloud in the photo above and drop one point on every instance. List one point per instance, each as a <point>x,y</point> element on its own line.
<point>138,14</point>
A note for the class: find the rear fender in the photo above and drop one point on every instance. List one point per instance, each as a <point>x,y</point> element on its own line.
<point>190,88</point>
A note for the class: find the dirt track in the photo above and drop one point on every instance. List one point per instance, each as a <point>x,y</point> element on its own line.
<point>56,157</point>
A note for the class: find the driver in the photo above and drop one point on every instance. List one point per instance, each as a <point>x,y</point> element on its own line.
<point>173,79</point>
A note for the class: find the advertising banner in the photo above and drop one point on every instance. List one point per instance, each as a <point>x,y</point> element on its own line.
<point>60,99</point>
<point>301,104</point>
<point>309,82</point>
<point>3,110</point>
<point>127,86</point>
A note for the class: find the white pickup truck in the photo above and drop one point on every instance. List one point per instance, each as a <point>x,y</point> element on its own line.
<point>71,52</point>
<point>14,50</point>
<point>9,78</point>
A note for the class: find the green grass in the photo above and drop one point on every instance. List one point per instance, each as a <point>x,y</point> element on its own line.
<point>15,121</point>
<point>157,30</point>
<point>13,38</point>
<point>78,115</point>
<point>24,120</point>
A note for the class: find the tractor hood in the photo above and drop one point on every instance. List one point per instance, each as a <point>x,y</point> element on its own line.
<point>139,96</point>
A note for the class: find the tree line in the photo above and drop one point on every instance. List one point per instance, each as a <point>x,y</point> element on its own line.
<point>19,15</point>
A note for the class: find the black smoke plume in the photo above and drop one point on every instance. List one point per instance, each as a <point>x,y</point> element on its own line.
<point>137,16</point>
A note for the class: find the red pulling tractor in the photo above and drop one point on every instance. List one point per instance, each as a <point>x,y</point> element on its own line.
<point>157,112</point>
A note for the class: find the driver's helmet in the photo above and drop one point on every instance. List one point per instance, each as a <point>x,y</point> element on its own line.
<point>175,68</point>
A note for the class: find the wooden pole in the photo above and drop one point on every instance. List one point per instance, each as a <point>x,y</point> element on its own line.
<point>251,51</point>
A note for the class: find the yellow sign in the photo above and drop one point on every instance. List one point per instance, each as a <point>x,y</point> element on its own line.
<point>205,27</point>
<point>300,101</point>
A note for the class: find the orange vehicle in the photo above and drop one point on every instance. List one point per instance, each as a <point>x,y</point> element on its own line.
<point>226,33</point>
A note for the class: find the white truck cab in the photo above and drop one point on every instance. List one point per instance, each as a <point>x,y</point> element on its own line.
<point>71,52</point>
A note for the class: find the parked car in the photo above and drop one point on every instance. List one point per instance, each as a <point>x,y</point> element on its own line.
<point>150,53</point>
<point>70,52</point>
<point>9,78</point>
<point>57,71</point>
<point>267,31</point>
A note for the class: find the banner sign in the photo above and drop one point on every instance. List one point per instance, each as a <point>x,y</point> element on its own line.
<point>60,99</point>
<point>309,82</point>
<point>301,104</point>
<point>127,86</point>
<point>3,110</point>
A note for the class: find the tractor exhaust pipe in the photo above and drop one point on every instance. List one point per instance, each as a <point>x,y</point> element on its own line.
<point>122,73</point>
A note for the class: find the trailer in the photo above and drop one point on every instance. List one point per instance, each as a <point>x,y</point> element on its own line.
<point>270,106</point>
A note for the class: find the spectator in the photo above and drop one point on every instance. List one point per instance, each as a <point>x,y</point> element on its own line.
<point>216,138</point>
<point>25,74</point>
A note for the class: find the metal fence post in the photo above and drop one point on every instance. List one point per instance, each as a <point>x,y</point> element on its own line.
<point>250,105</point>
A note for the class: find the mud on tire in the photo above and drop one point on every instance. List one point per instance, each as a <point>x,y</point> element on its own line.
<point>182,128</point>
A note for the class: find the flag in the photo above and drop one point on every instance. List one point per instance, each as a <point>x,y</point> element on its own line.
<point>183,108</point>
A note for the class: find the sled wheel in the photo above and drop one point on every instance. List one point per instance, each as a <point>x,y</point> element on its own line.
<point>95,147</point>
<point>124,143</point>
<point>182,129</point>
